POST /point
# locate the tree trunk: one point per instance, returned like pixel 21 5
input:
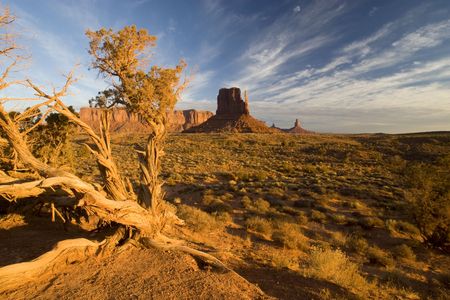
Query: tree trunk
pixel 113 182
pixel 149 160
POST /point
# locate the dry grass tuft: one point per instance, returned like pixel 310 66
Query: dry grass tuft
pixel 201 221
pixel 335 266
pixel 259 225
pixel 289 235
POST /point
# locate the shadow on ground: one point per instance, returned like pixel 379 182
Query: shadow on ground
pixel 286 284
pixel 24 239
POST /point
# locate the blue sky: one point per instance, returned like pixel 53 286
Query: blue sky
pixel 338 66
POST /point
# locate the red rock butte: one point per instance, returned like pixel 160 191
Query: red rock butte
pixel 124 122
pixel 230 103
pixel 232 115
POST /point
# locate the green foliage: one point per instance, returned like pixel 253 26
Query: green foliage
pixel 429 194
pixel 107 99
pixel 148 91
pixel 52 141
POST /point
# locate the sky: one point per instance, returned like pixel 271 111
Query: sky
pixel 338 66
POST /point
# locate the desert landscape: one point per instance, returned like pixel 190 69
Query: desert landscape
pixel 129 196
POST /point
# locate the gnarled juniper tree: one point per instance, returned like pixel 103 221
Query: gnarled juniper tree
pixel 151 92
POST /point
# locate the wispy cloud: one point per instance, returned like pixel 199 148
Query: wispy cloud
pixel 199 81
pixel 381 72
pixel 285 40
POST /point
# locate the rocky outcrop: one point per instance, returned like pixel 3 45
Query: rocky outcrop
pixel 122 121
pixel 298 129
pixel 232 115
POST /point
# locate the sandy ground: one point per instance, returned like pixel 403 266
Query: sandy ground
pixel 130 274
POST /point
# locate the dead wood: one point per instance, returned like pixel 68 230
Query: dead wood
pixel 65 252
pixel 113 183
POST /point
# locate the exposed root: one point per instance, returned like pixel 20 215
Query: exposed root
pixel 165 243
pixel 65 252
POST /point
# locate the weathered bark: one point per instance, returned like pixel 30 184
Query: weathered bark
pixel 127 213
pixel 12 191
pixel 113 183
pixel 66 251
pixel 18 143
pixel 150 164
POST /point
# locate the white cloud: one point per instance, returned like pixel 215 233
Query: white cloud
pixel 340 89
pixel 286 39
pixel 297 9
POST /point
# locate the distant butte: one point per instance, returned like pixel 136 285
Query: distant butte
pixel 297 129
pixel 124 122
pixel 232 115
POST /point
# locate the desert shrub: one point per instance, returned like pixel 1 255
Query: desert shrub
pixel 173 179
pixel 371 222
pixel 318 216
pixel 404 252
pixel 260 225
pixel 352 204
pixel 338 218
pixel 351 221
pixel 242 176
pixel 223 217
pixel 199 220
pixel 396 278
pixel 220 206
pixel 378 256
pixel 336 267
pixel 321 208
pixel 339 238
pixel 226 197
pixel 260 175
pixel 302 218
pixel 52 141
pixel 247 202
pixel 276 192
pixel 318 189
pixel 289 235
pixel 357 244
pixel 284 259
pixel 250 176
pixel 429 195
pixel 304 203
pixel 401 226
pixel 215 205
pixel 261 205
